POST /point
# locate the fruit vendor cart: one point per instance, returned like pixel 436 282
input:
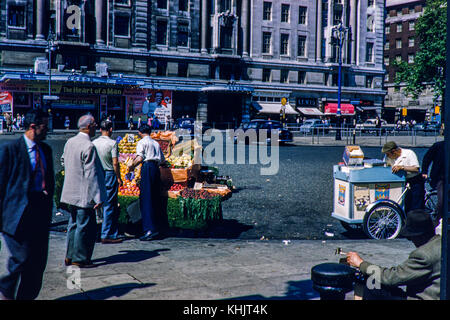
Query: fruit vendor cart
pixel 190 201
pixel 359 187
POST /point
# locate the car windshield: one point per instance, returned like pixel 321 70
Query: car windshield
pixel 253 125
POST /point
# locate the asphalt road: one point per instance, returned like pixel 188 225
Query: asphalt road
pixel 294 203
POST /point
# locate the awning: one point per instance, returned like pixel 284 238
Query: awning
pixel 310 111
pixel 273 108
pixel 73 106
pixel 347 109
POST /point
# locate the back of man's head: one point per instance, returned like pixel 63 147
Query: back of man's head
pixel 145 129
pixel 106 125
pixel 35 116
pixel 85 121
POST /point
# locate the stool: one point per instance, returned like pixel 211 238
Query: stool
pixel 332 280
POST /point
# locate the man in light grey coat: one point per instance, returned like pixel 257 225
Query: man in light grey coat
pixel 84 191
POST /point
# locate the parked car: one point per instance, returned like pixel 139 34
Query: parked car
pixel 185 127
pixel 428 126
pixel 315 125
pixel 370 125
pixel 284 135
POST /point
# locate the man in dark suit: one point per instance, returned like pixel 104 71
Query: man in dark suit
pixel 26 201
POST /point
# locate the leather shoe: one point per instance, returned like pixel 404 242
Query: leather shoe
pixel 67 261
pixel 84 265
pixel 106 241
pixel 148 236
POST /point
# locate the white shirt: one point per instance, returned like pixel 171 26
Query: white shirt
pixel 407 159
pixel 149 149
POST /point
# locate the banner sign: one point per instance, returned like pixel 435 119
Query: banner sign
pixel 6 102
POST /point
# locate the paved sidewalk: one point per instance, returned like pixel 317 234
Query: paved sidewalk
pixel 204 269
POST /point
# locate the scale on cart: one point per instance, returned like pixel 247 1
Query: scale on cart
pixel 367 194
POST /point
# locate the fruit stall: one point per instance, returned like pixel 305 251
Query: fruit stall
pixel 191 194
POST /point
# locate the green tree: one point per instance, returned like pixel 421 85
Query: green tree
pixel 429 66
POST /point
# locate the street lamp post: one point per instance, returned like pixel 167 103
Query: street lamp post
pixel 50 48
pixel 339 33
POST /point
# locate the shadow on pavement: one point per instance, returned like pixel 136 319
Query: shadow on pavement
pixel 296 290
pixel 129 256
pixel 107 292
pixel 223 229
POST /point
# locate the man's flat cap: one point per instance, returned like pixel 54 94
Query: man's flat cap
pixel 389 146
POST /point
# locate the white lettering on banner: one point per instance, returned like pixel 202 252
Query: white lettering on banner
pixel 374 281
pixel 74 20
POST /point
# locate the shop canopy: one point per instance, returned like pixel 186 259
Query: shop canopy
pixel 347 109
pixel 310 111
pixel 273 108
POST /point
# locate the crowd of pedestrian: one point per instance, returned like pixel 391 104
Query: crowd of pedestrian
pixel 13 123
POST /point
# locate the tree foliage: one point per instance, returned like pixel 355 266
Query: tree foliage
pixel 429 67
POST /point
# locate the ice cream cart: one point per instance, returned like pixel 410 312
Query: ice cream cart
pixel 369 195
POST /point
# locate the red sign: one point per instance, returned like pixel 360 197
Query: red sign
pixel 346 108
pixel 6 102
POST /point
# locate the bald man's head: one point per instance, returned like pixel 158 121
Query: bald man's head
pixel 87 125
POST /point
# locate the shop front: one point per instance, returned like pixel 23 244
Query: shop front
pixel 347 112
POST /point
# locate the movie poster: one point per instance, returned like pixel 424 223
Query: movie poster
pixel 157 104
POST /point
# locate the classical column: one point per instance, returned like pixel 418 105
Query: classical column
pixel 205 21
pixel 245 27
pixel 353 26
pixel 319 31
pixel 40 19
pixel 100 21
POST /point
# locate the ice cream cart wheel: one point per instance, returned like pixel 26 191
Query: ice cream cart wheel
pixel 383 221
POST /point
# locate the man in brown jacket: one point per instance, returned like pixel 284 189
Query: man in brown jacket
pixel 420 273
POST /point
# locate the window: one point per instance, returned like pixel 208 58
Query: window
pixel 302 11
pixel 337 17
pixel 267 11
pixel 369 52
pixel 386 77
pixel 399 12
pixel 411 42
pixel 161 68
pixel 226 37
pixel 284 76
pixel 386 61
pixel 266 75
pixel 386 45
pixel 183 5
pixel 370 3
pixel 399 27
pixel 161 32
pixel 370 23
pixel 285 13
pixel 369 81
pixel 162 4
pixel 16 16
pixel 225 5
pixel 122 25
pixel 301 77
pixel 284 44
pixel 183 34
pixel 121 2
pixel 183 69
pixel 398 58
pixel 398 43
pixel 411 10
pixel 267 38
pixel 411 58
pixel 301 46
pixel 411 25
pixel 387 29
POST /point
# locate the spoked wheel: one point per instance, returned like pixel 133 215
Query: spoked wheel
pixel 431 204
pixel 383 221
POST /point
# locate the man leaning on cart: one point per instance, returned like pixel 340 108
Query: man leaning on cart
pixel 406 160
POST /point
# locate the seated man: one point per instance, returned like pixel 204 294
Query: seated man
pixel 406 160
pixel 421 272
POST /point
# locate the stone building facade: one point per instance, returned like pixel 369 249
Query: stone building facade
pixel 221 61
